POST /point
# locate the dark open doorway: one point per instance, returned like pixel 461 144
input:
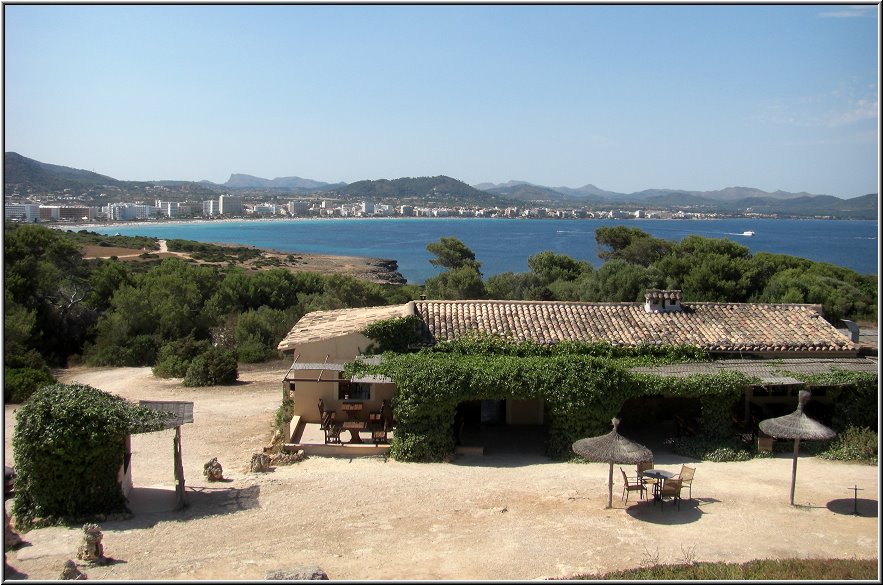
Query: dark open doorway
pixel 481 426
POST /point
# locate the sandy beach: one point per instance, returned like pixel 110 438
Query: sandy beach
pixel 503 516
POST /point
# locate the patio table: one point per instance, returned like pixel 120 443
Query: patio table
pixel 660 475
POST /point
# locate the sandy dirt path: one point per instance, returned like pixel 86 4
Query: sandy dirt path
pixel 480 517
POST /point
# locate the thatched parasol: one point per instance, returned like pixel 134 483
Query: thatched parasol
pixel 796 426
pixel 612 448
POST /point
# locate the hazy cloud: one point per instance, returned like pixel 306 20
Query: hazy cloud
pixel 850 12
pixel 836 109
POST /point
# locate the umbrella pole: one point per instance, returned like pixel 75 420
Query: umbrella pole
pixel 610 487
pixel 794 468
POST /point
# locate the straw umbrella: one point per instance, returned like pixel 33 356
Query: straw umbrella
pixel 612 448
pixel 796 426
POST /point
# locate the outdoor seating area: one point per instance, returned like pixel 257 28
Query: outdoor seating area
pixel 666 484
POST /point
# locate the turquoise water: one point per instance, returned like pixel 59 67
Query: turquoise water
pixel 503 245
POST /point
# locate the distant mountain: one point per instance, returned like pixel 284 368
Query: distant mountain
pixel 22 174
pixel 21 171
pixel 420 190
pixel 241 181
pixel 587 191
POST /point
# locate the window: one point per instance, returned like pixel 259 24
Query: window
pixel 347 390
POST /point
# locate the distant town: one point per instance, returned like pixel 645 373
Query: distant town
pixel 63 208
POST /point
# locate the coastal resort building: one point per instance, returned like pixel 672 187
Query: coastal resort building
pixel 772 348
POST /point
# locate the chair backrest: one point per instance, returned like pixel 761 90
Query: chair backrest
pixel 321 408
pixel 687 473
pixel 625 478
pixel 645 465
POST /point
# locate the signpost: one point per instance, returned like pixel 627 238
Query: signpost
pixel 183 412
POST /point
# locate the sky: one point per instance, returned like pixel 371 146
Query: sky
pixel 623 97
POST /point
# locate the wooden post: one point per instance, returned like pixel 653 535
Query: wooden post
pixel 794 468
pixel 179 469
pixel 610 487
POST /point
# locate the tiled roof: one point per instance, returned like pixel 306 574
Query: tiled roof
pixel 322 325
pixel 716 327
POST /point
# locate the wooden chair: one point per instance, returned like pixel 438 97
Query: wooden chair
pixel 686 477
pixel 644 466
pixel 627 487
pixel 332 431
pixel 672 489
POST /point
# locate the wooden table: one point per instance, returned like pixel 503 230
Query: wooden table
pixel 354 426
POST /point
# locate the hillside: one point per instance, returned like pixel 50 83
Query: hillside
pixel 439 190
pixel 20 171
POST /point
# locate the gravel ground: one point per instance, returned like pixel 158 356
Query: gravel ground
pixel 477 518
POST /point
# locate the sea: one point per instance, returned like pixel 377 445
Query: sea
pixel 504 245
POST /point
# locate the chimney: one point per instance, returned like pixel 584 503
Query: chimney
pixel 662 301
pixel 853 329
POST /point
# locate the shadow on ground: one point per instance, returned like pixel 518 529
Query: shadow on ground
pixel 851 506
pixel 667 512
pixel 152 505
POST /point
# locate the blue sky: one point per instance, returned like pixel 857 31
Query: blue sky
pixel 623 97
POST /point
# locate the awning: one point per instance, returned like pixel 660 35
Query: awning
pixel 371 379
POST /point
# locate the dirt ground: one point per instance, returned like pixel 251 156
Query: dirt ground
pixel 375 270
pixel 504 516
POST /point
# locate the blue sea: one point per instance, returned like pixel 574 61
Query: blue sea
pixel 503 245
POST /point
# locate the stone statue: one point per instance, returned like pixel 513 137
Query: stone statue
pixel 213 470
pixel 91 550
pixel 260 462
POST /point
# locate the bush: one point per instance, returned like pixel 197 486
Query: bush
pixel 68 445
pixel 710 448
pixel 212 368
pixel 20 383
pixel 175 357
pixel 854 444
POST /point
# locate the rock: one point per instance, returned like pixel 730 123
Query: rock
pixel 70 572
pixel 306 573
pixel 287 457
pixel 91 550
pixel 260 463
pixel 213 470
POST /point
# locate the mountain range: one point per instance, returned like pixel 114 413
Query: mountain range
pixel 25 174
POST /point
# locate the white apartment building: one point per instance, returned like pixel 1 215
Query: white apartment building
pixel 210 208
pixel 125 211
pixel 24 212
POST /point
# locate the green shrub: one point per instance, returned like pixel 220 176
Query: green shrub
pixel 20 383
pixel 68 445
pixel 212 368
pixel 175 357
pixel 854 444
pixel 707 448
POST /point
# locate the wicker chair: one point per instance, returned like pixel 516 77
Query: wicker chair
pixel 627 487
pixel 644 466
pixel 672 489
pixel 686 477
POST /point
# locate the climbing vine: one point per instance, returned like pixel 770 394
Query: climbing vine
pixel 583 387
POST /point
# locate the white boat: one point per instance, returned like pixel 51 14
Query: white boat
pixel 748 233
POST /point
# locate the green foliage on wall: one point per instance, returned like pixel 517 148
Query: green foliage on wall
pixel 583 387
pixel 68 444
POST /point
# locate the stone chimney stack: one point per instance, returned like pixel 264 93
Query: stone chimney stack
pixel 662 301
